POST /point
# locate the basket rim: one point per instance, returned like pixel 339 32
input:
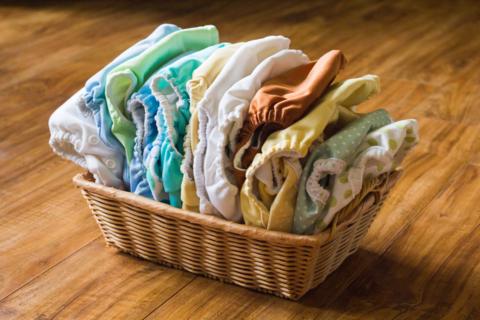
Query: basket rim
pixel 85 181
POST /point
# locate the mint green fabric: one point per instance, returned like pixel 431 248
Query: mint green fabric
pixel 130 76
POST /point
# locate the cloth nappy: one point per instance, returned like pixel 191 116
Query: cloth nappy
pixel 282 101
pixel 221 187
pixel 129 76
pixel 201 80
pixel 143 107
pixel 94 93
pixel 241 64
pixel 268 195
pixel 335 171
pixel 74 136
pixel 169 87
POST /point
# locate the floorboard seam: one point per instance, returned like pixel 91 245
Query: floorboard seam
pixel 173 295
pixel 398 235
pixel 46 270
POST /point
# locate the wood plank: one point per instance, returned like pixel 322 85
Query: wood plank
pixel 420 258
pixel 95 282
pixel 41 226
pixel 430 271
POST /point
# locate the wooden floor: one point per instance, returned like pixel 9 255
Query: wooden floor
pixel 421 258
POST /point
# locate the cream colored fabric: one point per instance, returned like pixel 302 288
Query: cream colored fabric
pixel 202 78
pixel 240 65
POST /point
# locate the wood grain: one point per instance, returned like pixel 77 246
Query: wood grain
pixel 420 258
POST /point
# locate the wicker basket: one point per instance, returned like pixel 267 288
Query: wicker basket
pixel 286 265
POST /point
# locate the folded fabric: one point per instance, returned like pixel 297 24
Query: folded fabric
pixel 129 76
pixel 143 107
pixel 74 136
pixel 94 94
pixel 238 66
pixel 329 182
pixel 276 169
pixel 169 87
pixel 282 101
pixel 202 78
pixel 221 187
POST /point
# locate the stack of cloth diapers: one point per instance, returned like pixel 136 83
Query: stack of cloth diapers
pixel 252 132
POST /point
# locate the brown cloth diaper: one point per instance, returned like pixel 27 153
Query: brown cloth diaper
pixel 280 102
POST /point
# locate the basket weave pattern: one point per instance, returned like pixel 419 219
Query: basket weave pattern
pixel 286 265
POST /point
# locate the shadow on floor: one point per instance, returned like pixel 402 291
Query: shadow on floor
pixel 367 282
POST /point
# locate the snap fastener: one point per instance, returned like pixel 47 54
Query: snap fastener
pixel 110 163
pixel 93 140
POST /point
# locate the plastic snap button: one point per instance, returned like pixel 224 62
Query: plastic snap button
pixel 110 163
pixel 93 140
